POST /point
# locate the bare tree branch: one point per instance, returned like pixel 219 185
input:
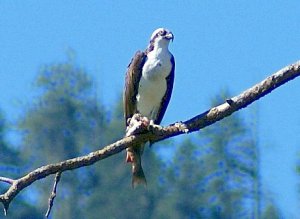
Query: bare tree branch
pixel 6 180
pixel 53 193
pixel 155 134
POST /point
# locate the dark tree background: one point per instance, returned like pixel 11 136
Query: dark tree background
pixel 214 174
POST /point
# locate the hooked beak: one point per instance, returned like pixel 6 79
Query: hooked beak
pixel 170 36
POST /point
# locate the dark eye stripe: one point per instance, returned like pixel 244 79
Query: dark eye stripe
pixel 162 32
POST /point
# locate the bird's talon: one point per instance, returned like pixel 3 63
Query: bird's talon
pixel 137 124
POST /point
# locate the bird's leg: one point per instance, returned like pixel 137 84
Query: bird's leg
pixel 137 124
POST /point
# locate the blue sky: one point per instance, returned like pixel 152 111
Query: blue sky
pixel 218 44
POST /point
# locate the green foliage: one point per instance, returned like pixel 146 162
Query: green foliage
pixel 65 116
pixel 7 154
pixel 9 167
pixel 271 212
pixel 66 121
pixel 184 190
pixel 211 176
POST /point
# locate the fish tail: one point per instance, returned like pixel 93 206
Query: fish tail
pixel 134 157
pixel 138 177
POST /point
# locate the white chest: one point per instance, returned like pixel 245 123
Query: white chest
pixel 158 65
pixel 153 84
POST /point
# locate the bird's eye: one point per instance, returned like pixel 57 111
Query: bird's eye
pixel 162 32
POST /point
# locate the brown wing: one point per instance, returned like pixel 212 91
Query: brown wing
pixel 167 96
pixel 133 76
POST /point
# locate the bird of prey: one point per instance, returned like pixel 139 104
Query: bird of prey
pixel 148 87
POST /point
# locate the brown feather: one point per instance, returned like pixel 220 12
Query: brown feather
pixel 166 99
pixel 133 76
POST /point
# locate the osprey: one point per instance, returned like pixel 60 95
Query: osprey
pixel 148 88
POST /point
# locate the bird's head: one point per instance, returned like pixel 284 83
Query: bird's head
pixel 161 37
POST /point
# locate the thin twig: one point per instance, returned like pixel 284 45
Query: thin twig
pixel 53 194
pixel 6 180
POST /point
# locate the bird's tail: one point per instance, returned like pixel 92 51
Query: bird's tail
pixel 134 157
